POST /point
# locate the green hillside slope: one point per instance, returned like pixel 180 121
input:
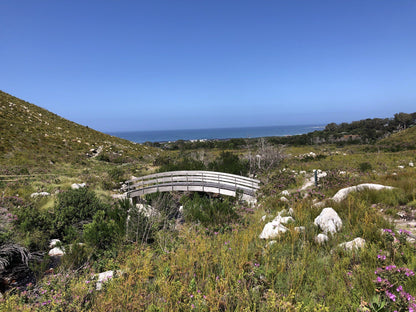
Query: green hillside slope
pixel 31 135
pixel 403 140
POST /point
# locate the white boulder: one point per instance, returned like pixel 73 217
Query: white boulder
pixel 343 193
pixel 411 164
pixel 329 221
pixel 283 220
pixel 39 194
pixel 54 242
pixel 283 199
pixel 285 193
pixel 147 210
pixel 76 186
pixel 272 230
pixel 56 252
pixel 321 238
pixel 400 167
pixel 102 278
pixel 299 229
pixel 356 243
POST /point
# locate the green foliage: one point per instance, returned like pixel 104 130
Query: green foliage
pixel 215 213
pixel 230 163
pixel 34 226
pixel 103 232
pixel 72 209
pixel 365 166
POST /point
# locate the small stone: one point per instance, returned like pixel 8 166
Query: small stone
pixel 356 243
pixel 39 194
pixel 283 199
pixel 77 186
pixel 285 193
pixel 54 242
pixel 321 238
pixel 299 229
pixel 56 252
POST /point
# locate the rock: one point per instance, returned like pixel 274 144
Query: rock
pixel 299 229
pixel 39 194
pixel 102 278
pixel 321 238
pixel 271 243
pixel 105 276
pixel 343 193
pixel 283 199
pixel 147 210
pixel 56 252
pixel 401 214
pixel 328 221
pixel 285 193
pixel 263 218
pixel 272 230
pixel 283 220
pixel 400 167
pixel 54 242
pixel 77 186
pixel 319 204
pixel 291 212
pixel 356 243
pixel 411 164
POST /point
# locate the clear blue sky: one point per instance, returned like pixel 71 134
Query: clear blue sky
pixel 150 65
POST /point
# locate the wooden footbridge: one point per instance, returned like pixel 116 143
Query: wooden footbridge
pixel 194 181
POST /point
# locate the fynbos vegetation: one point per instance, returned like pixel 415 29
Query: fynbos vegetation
pixel 68 244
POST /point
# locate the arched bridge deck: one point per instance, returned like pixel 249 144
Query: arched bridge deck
pixel 194 181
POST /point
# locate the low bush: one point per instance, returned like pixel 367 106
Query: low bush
pixel 72 210
pixel 209 212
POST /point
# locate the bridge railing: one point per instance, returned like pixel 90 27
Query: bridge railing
pixel 201 178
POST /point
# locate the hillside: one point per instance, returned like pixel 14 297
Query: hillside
pixel 403 140
pixel 32 136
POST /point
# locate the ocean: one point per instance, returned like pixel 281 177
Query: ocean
pixel 215 133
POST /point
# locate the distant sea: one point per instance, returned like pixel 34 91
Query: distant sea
pixel 215 133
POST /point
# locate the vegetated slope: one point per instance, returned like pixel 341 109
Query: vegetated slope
pixel 31 135
pixel 403 140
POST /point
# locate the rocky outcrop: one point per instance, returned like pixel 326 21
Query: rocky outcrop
pixel 343 193
pixel 328 221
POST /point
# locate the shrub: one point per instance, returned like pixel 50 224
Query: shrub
pixel 214 213
pixel 365 166
pixel 230 163
pixel 73 209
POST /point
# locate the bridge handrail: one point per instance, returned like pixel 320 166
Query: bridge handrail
pixel 193 176
pixel 194 172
